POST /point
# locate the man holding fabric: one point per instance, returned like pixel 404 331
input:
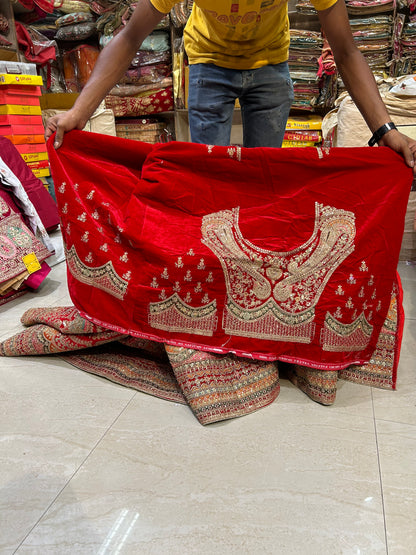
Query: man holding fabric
pixel 239 49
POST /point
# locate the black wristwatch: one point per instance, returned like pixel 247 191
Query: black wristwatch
pixel 380 132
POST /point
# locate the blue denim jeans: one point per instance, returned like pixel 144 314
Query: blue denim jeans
pixel 265 94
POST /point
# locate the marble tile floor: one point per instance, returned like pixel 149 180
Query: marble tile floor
pixel 90 467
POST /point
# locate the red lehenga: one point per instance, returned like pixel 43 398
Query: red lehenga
pixel 234 259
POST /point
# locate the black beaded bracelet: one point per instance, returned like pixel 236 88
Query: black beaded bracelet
pixel 380 132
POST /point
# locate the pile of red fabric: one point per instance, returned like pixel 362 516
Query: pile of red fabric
pixel 195 270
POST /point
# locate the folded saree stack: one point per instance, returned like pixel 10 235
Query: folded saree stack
pixel 373 37
pixel 304 50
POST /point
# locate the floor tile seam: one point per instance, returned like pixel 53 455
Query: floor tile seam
pixel 380 475
pixel 412 424
pixel 76 471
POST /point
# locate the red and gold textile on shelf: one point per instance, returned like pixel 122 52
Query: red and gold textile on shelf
pixel 274 254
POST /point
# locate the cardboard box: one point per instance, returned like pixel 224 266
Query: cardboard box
pixel 41 164
pixel 43 172
pixel 31 148
pixel 17 109
pixel 27 90
pixel 25 139
pixel 30 157
pixel 22 130
pixel 58 101
pixel 18 98
pixel 10 119
pixel 304 122
pixel 20 79
pixel 19 68
pixel 297 144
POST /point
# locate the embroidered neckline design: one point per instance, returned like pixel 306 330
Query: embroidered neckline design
pixel 273 295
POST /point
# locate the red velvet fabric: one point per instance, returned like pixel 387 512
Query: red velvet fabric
pixel 275 254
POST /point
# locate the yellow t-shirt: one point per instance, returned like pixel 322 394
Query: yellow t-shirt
pixel 237 34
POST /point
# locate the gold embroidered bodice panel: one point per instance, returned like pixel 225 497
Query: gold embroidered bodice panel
pixel 288 284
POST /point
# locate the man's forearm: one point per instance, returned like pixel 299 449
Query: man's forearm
pixel 361 85
pixel 115 59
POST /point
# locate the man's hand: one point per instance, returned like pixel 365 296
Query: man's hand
pixel 402 144
pixel 110 66
pixel 62 123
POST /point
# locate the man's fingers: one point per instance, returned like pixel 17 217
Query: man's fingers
pixel 59 136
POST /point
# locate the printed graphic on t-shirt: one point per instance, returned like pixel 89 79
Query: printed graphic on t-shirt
pixel 246 19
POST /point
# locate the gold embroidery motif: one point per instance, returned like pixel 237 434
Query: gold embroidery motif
pixel 103 277
pixel 273 294
pixel 234 152
pixel 336 336
pixel 349 303
pixel 268 322
pixel 173 314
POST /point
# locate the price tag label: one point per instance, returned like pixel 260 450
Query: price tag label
pixel 31 262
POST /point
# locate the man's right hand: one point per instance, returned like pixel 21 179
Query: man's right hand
pixel 111 65
pixel 61 124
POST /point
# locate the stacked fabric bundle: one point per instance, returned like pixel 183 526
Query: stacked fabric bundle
pixel 408 44
pixel 364 8
pixel 146 130
pixel 4 31
pixel 304 52
pixel 305 7
pixel 24 243
pixel 373 37
pixel 146 88
pixel 52 36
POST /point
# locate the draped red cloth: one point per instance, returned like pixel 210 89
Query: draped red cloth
pixel 274 254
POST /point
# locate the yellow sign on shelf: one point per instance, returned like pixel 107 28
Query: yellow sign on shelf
pixel 20 79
